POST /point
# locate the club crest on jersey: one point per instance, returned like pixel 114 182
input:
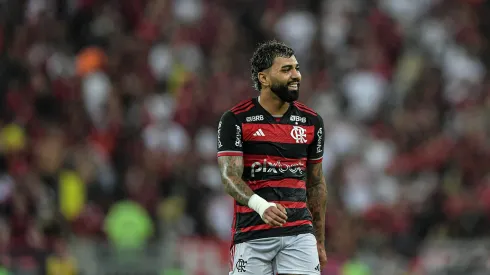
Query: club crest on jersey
pixel 298 133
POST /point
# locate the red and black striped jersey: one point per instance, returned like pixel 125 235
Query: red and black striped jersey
pixel 276 151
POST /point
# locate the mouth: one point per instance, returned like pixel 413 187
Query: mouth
pixel 293 85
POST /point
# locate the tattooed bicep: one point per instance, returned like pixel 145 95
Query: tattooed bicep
pixel 231 165
pixel 231 175
pixel 314 174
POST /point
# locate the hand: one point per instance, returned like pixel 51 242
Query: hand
pixel 275 215
pixel 322 255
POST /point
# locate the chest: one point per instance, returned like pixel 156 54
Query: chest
pixel 289 133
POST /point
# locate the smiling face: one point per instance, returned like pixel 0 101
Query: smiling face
pixel 284 78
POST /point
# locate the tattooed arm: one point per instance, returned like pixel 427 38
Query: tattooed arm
pixel 231 175
pixel 316 192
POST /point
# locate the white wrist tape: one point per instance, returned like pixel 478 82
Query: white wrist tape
pixel 258 204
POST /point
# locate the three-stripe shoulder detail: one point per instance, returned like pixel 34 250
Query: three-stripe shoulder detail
pixel 302 107
pixel 242 106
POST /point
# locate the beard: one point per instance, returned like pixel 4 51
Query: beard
pixel 282 91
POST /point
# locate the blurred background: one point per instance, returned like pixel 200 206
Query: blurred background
pixel 108 120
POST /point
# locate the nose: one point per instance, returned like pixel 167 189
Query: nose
pixel 295 75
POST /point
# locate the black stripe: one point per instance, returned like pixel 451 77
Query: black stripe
pixel 281 194
pixel 273 232
pixel 269 174
pixel 252 218
pixel 292 151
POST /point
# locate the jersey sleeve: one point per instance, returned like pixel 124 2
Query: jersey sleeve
pixel 315 149
pixel 229 136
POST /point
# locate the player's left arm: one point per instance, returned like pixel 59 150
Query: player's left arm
pixel 316 186
pixel 316 192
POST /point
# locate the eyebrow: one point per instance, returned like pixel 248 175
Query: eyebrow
pixel 289 66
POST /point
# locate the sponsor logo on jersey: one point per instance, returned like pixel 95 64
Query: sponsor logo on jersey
pixel 319 135
pixel 298 119
pixel 254 118
pixel 298 133
pixel 238 141
pixel 219 135
pixel 259 133
pixel 277 167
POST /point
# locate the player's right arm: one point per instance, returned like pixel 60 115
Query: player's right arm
pixel 231 175
pixel 230 161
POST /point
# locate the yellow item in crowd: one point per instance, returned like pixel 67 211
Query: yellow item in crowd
pixel 13 138
pixel 177 78
pixel 171 209
pixel 60 266
pixel 71 194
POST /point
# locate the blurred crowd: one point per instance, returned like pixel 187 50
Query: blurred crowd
pixel 105 101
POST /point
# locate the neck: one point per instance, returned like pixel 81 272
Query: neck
pixel 272 104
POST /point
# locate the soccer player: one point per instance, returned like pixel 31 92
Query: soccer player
pixel 270 152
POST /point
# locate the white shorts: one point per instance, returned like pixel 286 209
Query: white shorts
pixel 296 254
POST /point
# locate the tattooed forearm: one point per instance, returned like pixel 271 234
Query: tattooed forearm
pixel 231 176
pixel 316 192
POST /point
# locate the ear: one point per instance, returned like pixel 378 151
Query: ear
pixel 264 79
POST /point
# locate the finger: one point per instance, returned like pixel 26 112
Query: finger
pixel 276 223
pixel 282 208
pixel 273 222
pixel 273 211
pixel 279 213
pixel 280 221
pixel 273 217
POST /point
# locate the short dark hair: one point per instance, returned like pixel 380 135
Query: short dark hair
pixel 264 56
